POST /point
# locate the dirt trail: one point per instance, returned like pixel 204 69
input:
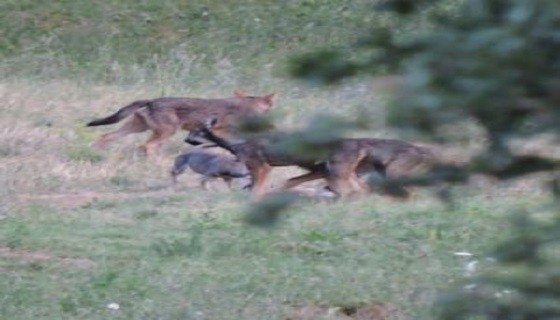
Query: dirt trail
pixel 35 256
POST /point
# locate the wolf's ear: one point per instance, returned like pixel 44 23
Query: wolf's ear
pixel 210 122
pixel 239 93
pixel 269 98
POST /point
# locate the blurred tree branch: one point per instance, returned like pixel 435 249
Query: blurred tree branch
pixel 496 62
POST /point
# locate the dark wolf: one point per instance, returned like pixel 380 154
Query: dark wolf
pixel 165 116
pixel 348 159
pixel 211 162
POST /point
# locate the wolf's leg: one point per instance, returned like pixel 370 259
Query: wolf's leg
pixel 339 185
pixel 343 179
pixel 155 140
pixel 358 186
pixel 310 176
pixel 258 176
pixel 248 185
pixel 134 125
pixel 406 165
pixel 204 182
pixel 174 178
pixel 228 180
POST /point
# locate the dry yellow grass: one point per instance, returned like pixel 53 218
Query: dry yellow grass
pixel 44 145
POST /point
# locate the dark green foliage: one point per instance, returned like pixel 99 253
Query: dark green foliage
pixel 402 6
pixel 323 67
pixel 255 124
pixel 479 63
pixel 525 286
pixel 266 213
pixel 318 139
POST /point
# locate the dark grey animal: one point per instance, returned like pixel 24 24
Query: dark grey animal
pixel 211 162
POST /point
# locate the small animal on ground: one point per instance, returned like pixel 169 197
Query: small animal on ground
pixel 210 161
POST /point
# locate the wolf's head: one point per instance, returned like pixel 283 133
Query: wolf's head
pixel 202 134
pixel 259 104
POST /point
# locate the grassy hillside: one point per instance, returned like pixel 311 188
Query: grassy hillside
pixel 84 230
pixel 98 36
pixel 103 40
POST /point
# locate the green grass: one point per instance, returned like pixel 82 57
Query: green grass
pixel 179 255
pixel 115 41
pixel 100 38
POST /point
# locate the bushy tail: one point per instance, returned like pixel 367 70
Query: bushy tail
pixel 119 115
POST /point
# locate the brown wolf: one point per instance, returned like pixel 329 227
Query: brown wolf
pixel 164 116
pixel 348 159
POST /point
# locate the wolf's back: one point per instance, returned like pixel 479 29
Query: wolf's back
pixel 119 115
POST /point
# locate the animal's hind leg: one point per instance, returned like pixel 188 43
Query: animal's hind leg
pixel 406 165
pixel 341 182
pixel 227 180
pixel 310 176
pixel 135 125
pixel 358 186
pixel 155 141
pixel 204 182
pixel 342 178
pixel 258 176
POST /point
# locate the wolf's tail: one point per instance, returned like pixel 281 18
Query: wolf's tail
pixel 119 115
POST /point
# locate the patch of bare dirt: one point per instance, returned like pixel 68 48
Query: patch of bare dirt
pixel 77 199
pixel 45 256
pixel 373 311
pixel 70 200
